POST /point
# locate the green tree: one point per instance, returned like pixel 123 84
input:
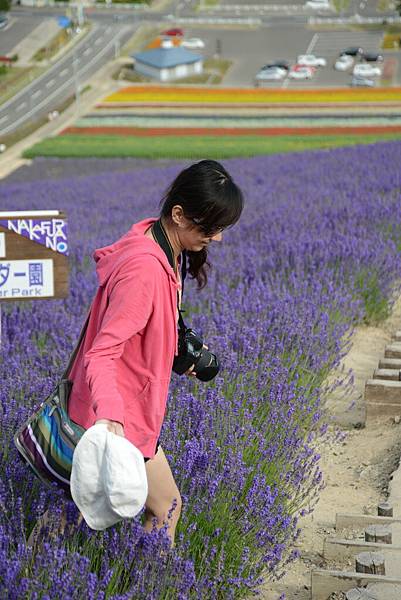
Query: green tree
pixel 341 5
pixel 398 7
pixel 5 6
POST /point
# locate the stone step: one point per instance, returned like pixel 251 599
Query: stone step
pixel 381 391
pixel 389 374
pixel 390 363
pixel 397 336
pixel 393 350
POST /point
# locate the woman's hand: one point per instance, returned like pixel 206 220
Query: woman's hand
pixel 191 372
pixel 113 426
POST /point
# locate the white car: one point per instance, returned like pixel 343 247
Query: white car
pixel 366 70
pixel 271 74
pixel 362 82
pixel 310 60
pixel 344 62
pixel 318 4
pixel 301 72
pixel 193 43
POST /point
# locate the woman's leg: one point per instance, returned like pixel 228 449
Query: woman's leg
pixel 54 528
pixel 162 494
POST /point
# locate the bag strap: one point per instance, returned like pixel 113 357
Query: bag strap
pixel 181 323
pixel 161 237
pixel 75 351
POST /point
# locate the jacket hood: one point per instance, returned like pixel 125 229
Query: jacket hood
pixel 131 245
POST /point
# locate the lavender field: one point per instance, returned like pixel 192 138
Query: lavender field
pixel 316 252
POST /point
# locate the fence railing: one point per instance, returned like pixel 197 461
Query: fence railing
pixel 359 19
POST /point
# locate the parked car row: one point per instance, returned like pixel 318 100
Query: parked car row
pixel 307 64
pixel 363 70
pixel 304 68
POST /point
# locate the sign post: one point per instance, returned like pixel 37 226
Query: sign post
pixel 33 255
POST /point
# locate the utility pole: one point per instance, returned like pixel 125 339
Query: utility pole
pixel 80 14
pixel 117 48
pixel 76 80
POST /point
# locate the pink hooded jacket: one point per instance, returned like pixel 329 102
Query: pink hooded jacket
pixel 123 368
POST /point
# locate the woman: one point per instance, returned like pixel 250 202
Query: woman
pixel 122 371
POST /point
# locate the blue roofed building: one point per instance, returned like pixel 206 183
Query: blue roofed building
pixel 168 62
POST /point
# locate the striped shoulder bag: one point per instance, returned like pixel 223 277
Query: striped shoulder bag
pixel 47 440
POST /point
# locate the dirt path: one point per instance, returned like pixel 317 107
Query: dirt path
pixel 356 470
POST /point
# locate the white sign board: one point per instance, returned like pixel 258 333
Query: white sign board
pixel 2 245
pixel 26 278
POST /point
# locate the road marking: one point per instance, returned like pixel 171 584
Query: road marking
pixel 63 72
pixel 5 118
pixel 36 94
pixel 50 83
pixel 21 106
pixel 312 43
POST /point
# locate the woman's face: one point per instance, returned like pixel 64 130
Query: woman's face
pixel 194 239
pixel 190 235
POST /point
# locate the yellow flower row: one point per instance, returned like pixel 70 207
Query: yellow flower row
pixel 159 94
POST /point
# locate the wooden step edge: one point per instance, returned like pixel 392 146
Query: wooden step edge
pixel 396 345
pixel 387 374
pixel 390 363
pixel 342 549
pixel 383 383
pixel 353 521
pixel 392 353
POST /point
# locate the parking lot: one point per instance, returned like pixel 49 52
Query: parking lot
pixel 250 49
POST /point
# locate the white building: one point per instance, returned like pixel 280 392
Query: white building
pixel 168 62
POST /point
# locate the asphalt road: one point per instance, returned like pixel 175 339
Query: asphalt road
pixel 62 80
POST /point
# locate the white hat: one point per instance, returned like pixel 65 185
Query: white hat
pixel 108 478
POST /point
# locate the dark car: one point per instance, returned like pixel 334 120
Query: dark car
pixel 352 51
pixel 373 57
pixel 281 64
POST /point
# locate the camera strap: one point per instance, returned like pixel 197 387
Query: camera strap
pixel 160 235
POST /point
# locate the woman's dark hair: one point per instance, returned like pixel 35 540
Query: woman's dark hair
pixel 210 198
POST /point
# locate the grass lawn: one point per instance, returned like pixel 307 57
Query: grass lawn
pixel 112 146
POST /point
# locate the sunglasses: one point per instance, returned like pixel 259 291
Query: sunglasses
pixel 213 231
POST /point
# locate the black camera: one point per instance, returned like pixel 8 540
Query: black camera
pixel 192 352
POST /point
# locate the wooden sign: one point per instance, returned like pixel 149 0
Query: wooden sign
pixel 33 255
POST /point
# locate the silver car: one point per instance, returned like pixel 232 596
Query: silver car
pixel 271 74
pixel 362 82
